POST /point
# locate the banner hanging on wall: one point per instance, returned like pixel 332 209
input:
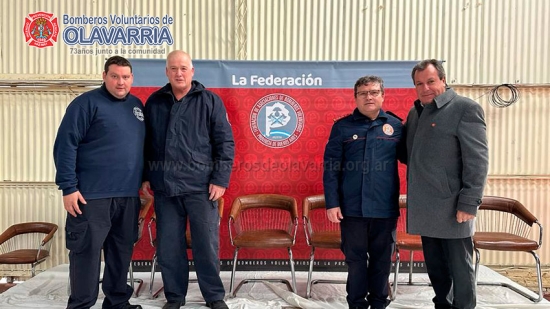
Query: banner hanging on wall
pixel 281 114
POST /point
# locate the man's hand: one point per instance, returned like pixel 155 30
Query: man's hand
pixel 70 202
pixel 215 192
pixel 145 187
pixel 462 216
pixel 334 215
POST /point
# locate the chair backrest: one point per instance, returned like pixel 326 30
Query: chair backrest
pixel 264 212
pixel 317 225
pixel 46 228
pixel 505 215
pixel 313 202
pixel 508 205
pixel 402 201
pixel 275 202
pixel 402 220
pixel 146 203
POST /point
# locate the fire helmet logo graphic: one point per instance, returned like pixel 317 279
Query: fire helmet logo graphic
pixel 277 120
pixel 40 29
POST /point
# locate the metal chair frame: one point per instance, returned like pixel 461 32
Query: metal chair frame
pixel 508 229
pixel 329 238
pixel 240 237
pixel 13 252
pixel 406 242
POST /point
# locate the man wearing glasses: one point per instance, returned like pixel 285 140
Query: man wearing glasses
pixel 361 184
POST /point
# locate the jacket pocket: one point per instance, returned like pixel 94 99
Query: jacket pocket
pixel 201 158
pixel 76 234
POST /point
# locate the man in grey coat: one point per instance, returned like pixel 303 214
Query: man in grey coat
pixel 447 170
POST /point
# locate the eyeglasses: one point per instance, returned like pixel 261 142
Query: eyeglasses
pixel 364 94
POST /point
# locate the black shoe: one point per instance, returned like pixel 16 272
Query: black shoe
pixel 218 304
pixel 173 305
pixel 128 306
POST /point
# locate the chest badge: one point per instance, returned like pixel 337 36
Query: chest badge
pixel 138 113
pixel 354 136
pixel 387 129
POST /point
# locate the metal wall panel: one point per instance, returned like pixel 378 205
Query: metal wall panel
pixel 519 134
pixel 29 119
pixel 482 42
pixel 26 202
pixel 204 28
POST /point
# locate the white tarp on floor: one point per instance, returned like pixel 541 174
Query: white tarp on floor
pixel 49 290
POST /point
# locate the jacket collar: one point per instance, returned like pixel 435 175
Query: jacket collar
pixel 106 92
pixel 358 116
pixel 441 100
pixel 444 98
pixel 195 86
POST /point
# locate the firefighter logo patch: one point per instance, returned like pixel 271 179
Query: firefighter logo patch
pixel 387 129
pixel 41 29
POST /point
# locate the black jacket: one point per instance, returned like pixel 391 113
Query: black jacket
pixel 189 143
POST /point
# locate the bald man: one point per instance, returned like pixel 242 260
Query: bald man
pixel 189 151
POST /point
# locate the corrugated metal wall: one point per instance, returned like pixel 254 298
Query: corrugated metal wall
pixel 29 121
pixel 23 202
pixel 518 135
pixel 483 42
pixel 204 28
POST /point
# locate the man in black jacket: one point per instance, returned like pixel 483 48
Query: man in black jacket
pixel 189 151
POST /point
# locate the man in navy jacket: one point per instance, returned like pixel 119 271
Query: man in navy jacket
pixel 361 184
pixel 98 154
pixel 189 153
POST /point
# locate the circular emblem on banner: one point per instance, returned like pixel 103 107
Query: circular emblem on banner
pixel 41 29
pixel 277 120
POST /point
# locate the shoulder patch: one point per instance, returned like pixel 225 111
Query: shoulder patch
pixel 341 117
pixel 394 115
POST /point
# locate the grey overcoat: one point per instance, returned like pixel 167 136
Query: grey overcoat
pixel 447 165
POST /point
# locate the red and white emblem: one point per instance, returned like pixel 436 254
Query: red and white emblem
pixel 40 29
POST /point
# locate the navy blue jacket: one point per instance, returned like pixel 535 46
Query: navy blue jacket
pixel 99 146
pixel 360 162
pixel 189 144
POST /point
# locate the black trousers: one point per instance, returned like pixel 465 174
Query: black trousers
pixel 451 272
pixel 110 224
pixel 204 220
pixel 367 244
